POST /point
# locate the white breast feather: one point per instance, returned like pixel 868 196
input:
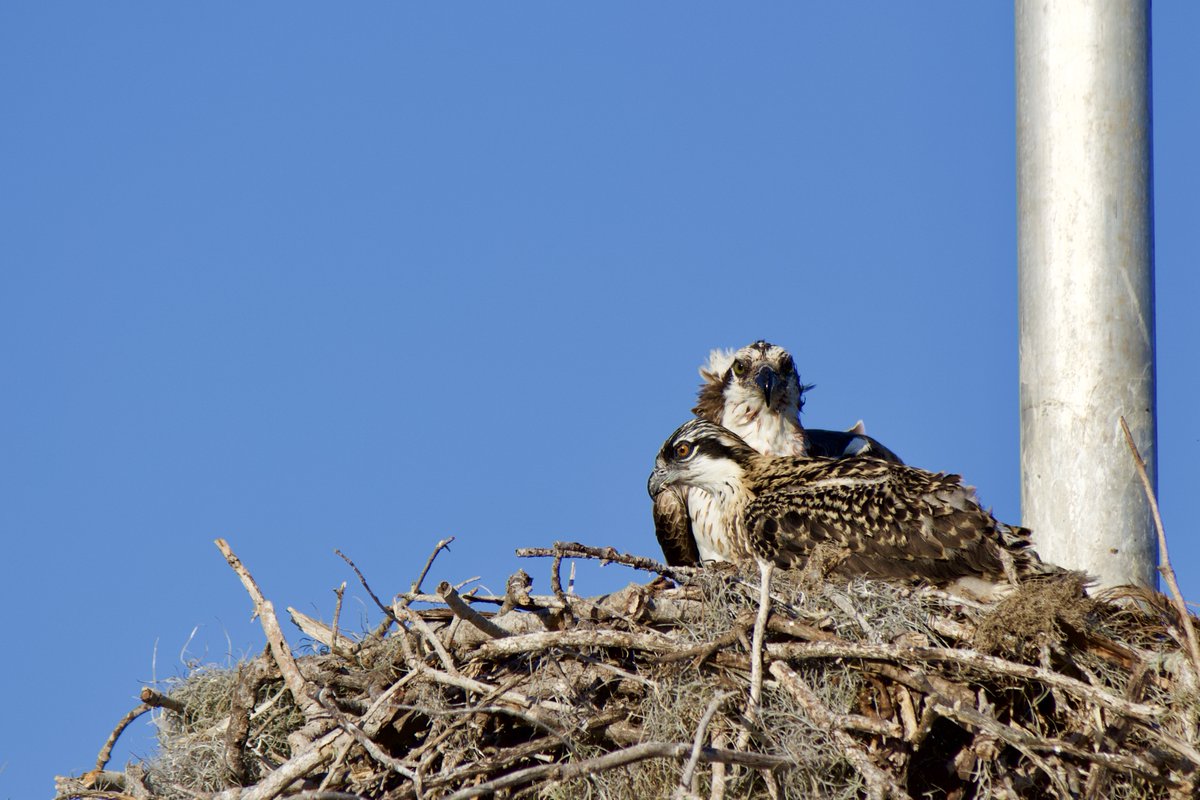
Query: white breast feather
pixel 708 527
pixel 714 510
pixel 769 434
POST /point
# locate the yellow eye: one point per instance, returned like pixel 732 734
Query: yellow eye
pixel 683 449
pixel 738 368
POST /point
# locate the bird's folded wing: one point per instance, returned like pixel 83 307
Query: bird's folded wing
pixel 841 444
pixel 673 527
pixel 910 524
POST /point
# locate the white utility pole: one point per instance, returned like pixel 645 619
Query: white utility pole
pixel 1085 231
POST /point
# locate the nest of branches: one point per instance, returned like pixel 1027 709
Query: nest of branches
pixel 871 690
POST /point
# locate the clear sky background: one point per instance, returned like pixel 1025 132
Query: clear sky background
pixel 364 276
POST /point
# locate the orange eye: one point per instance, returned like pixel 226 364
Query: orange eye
pixel 683 449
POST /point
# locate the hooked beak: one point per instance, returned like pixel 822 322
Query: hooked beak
pixel 658 479
pixel 767 379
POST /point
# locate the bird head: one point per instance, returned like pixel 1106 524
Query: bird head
pixel 701 454
pixel 760 377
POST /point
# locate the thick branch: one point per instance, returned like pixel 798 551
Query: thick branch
pixel 465 612
pixel 280 651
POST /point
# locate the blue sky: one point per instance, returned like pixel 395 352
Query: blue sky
pixel 306 277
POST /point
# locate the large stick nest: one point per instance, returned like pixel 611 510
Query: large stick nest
pixel 872 690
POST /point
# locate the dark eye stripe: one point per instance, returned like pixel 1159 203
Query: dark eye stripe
pixel 715 448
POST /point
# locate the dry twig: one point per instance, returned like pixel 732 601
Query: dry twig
pixel 628 755
pixel 689 769
pixel 1164 558
pixel 106 750
pixel 880 784
pixel 280 651
pixel 444 544
pixel 606 555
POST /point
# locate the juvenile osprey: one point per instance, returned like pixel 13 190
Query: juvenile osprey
pixel 890 520
pixel 756 393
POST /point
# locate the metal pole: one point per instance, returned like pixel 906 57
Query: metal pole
pixel 1085 230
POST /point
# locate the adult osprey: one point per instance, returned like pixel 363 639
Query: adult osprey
pixel 887 520
pixel 756 393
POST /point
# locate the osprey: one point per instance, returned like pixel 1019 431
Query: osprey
pixel 756 393
pixel 887 520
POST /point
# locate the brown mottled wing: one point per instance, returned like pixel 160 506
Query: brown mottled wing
pixel 673 527
pixel 891 521
pixel 842 444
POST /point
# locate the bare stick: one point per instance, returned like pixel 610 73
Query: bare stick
pixel 380 711
pixel 880 784
pixel 531 719
pixel 464 611
pixel 516 591
pixel 375 750
pixel 552 707
pixel 106 751
pixel 385 609
pixel 160 700
pixel 320 632
pixel 536 642
pixel 605 555
pixel 523 750
pixel 556 581
pixel 418 623
pixel 617 758
pixel 97 794
pixel 702 651
pixel 280 651
pixel 1164 567
pixel 765 568
pixel 250 677
pixel 310 757
pixel 442 545
pixel 718 770
pixel 337 613
pixel 689 769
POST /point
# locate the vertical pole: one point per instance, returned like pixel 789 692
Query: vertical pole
pixel 1085 230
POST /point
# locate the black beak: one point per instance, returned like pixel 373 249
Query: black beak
pixel 767 379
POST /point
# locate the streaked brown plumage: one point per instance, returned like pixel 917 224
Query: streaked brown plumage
pixel 755 392
pixel 888 520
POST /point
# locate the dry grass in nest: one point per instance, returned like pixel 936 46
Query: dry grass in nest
pixel 873 690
